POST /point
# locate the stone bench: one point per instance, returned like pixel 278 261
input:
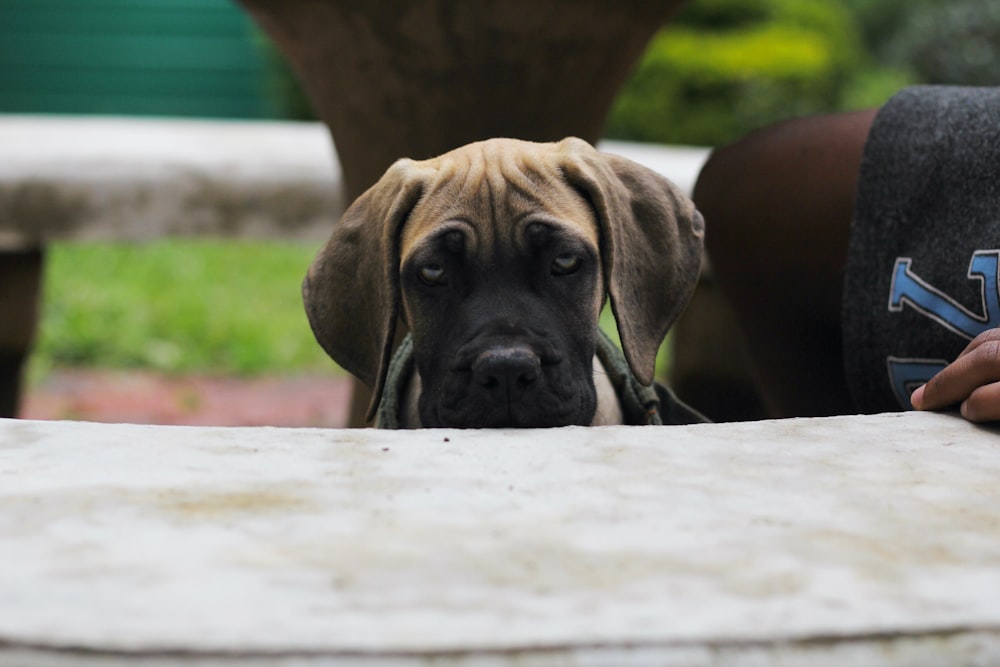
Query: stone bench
pixel 850 540
pixel 129 179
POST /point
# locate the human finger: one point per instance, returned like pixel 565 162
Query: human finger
pixel 983 404
pixel 977 366
pixel 990 335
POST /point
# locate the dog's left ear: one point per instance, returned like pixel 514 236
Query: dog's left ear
pixel 651 246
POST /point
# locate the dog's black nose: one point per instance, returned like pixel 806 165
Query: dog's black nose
pixel 507 369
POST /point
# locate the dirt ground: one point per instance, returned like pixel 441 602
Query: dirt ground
pixel 139 397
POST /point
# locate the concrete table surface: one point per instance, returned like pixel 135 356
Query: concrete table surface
pixel 849 540
pixel 107 178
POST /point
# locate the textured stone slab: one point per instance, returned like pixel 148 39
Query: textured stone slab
pixel 855 540
pixel 95 178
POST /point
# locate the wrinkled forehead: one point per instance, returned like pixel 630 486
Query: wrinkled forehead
pixel 494 190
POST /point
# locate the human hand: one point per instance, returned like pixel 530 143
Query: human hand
pixel 973 380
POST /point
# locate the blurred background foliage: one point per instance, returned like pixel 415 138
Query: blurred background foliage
pixel 946 42
pixel 725 67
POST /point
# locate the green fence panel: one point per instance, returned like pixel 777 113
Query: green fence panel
pixel 148 57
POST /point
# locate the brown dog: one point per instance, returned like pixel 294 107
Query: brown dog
pixel 498 258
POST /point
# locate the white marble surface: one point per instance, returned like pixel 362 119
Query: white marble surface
pixel 108 178
pixel 856 540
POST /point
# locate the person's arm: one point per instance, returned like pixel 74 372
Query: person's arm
pixel 972 380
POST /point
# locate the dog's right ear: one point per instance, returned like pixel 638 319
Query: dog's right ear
pixel 351 291
pixel 651 246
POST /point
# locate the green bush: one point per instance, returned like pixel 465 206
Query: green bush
pixel 956 43
pixel 931 41
pixel 728 66
pixel 712 15
pixel 878 21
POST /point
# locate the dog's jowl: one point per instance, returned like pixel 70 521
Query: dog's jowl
pixel 496 259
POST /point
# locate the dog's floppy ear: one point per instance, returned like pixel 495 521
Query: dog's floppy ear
pixel 351 292
pixel 651 246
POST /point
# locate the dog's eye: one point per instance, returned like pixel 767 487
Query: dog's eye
pixel 432 274
pixel 566 264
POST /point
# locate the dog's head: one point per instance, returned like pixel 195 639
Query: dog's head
pixel 498 257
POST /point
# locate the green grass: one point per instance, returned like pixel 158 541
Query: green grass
pixel 179 306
